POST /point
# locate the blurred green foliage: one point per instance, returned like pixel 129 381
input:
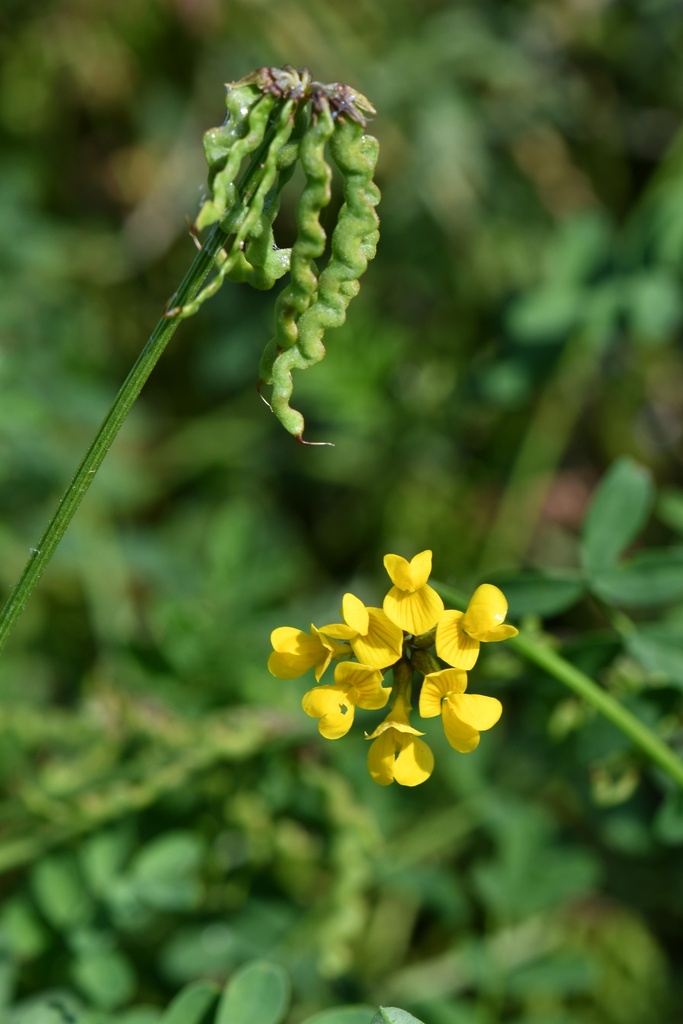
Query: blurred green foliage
pixel 167 812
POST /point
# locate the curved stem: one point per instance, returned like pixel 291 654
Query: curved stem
pixel 121 406
pixel 93 458
pixel 535 648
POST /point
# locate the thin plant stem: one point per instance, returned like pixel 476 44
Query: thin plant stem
pixel 121 406
pixel 535 648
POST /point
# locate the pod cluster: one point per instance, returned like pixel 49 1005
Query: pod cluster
pixel 276 118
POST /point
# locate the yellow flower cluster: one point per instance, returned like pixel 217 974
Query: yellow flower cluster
pixel 399 635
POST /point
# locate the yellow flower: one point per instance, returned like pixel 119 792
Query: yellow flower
pixel 355 686
pixel 375 640
pixel 464 715
pixel 294 652
pixel 411 603
pixel 459 634
pixel 397 754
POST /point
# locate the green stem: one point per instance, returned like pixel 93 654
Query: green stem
pixel 113 421
pixel 535 648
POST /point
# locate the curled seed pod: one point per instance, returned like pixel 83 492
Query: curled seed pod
pixel 227 146
pixel 248 220
pixel 262 262
pixel 218 142
pixel 309 244
pixel 354 241
pixel 310 239
pixel 269 120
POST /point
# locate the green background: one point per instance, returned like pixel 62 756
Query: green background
pixel 168 812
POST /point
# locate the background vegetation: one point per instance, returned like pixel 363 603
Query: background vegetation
pixel 168 813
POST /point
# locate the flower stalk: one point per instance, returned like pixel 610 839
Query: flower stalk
pixel 535 648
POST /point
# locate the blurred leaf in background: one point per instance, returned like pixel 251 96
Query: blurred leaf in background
pixel 167 812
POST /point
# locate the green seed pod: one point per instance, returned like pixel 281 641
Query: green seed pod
pixel 269 121
pixel 262 263
pixel 227 146
pixel 246 219
pixel 353 243
pixel 311 238
pixel 309 244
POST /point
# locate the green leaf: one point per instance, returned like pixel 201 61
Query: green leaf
pixel 201 950
pixel 540 593
pixel 54 1007
pixel 392 1015
pixel 619 510
pixel 59 892
pixel 568 973
pixel 103 857
pixel 668 823
pixel 580 247
pixel 343 1015
pixel 192 1005
pixel 670 508
pixel 659 649
pixel 8 979
pixel 165 871
pixel 650 577
pixel 140 1015
pixel 257 993
pixel 653 304
pixel 546 315
pixel 106 978
pixel 21 931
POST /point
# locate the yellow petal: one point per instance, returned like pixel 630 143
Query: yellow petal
pixel 414 763
pixel 405 759
pixel 503 632
pixel 329 649
pixel 435 687
pixel 365 685
pixel 288 640
pixel 454 645
pixel 331 705
pixel 462 737
pixel 409 575
pixel 383 644
pixel 486 610
pixel 381 757
pixel 475 710
pixel 416 612
pixel 331 644
pixel 322 664
pixel 355 614
pixel 338 631
pixel 287 666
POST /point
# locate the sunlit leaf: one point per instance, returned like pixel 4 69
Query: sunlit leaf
pixel 392 1015
pixel 192 1005
pixel 257 993
pixel 618 512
